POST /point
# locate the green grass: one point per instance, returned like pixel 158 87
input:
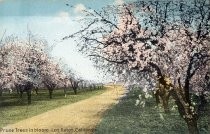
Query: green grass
pixel 126 118
pixel 13 109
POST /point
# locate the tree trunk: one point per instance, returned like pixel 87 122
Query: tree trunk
pixel 21 94
pixel 157 99
pixel 166 101
pixel 36 90
pixel 165 104
pixel 163 93
pixel 29 96
pixel 75 90
pixel 185 111
pixel 1 92
pixel 192 126
pixel 64 92
pixel 18 91
pixel 50 93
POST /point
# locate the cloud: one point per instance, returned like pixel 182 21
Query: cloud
pixel 62 16
pixel 119 2
pixel 79 8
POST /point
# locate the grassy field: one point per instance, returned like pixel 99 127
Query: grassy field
pixel 126 118
pixel 13 109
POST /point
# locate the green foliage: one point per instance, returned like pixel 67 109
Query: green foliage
pixel 13 109
pixel 127 118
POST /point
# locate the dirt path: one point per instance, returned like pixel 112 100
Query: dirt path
pixel 80 117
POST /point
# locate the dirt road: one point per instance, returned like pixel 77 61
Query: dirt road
pixel 80 117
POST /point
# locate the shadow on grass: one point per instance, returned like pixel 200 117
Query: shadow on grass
pixel 126 118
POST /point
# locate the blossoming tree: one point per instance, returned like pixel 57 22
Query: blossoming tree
pixel 25 64
pixel 169 45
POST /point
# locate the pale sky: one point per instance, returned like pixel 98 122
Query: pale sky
pixel 52 20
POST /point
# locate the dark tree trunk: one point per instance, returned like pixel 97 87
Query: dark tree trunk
pixel 36 90
pixel 163 92
pixel 18 91
pixel 64 91
pixel 181 97
pixel 186 92
pixel 166 98
pixel 29 96
pixel 1 92
pixel 75 90
pixel 21 93
pixel 192 126
pixel 157 99
pixel 165 103
pixel 74 85
pixel 185 111
pixel 50 93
